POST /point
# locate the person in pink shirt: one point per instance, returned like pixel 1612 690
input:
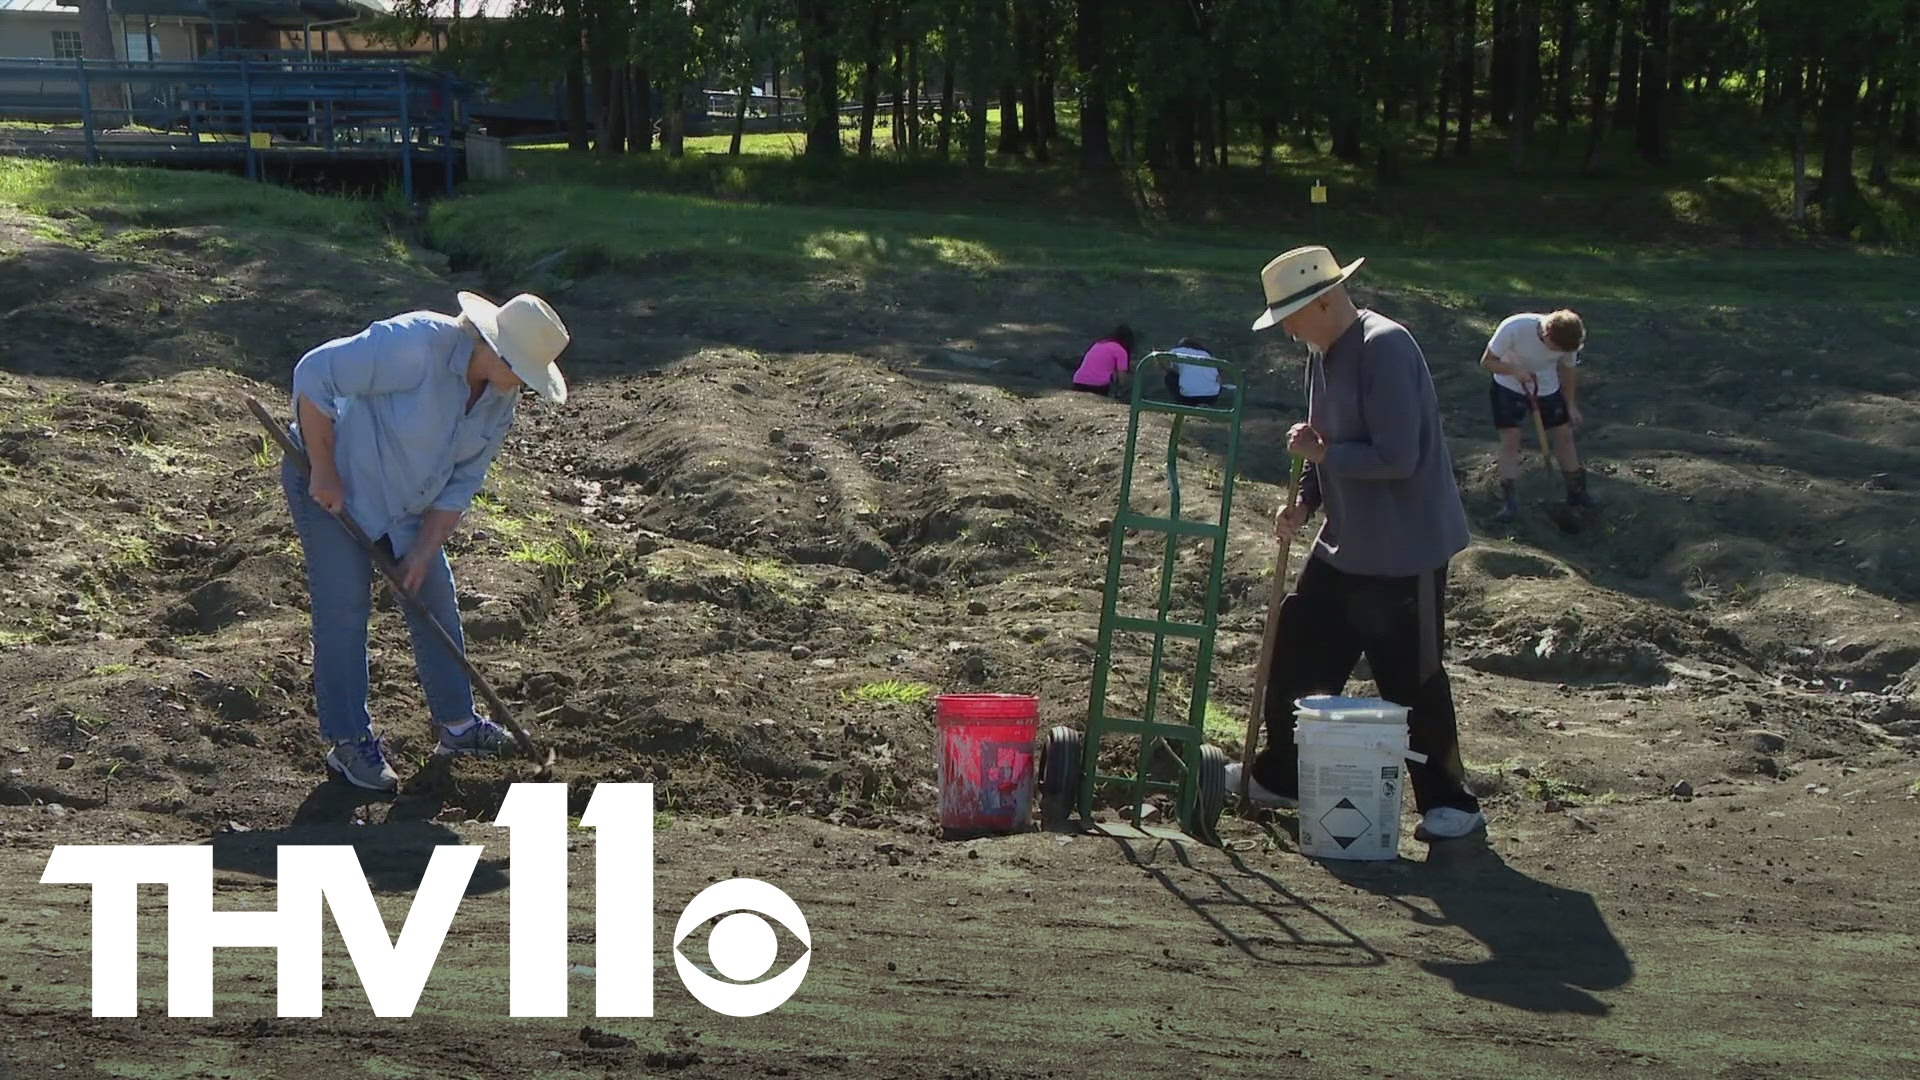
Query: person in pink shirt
pixel 1106 362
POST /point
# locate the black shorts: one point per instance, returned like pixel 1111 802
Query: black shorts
pixel 1510 409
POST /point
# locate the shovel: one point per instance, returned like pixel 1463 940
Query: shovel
pixel 1563 516
pixel 391 572
pixel 1264 670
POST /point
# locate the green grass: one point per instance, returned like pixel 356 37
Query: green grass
pixel 512 224
pixel 892 691
pixel 175 198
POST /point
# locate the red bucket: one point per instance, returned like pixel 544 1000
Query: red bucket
pixel 986 761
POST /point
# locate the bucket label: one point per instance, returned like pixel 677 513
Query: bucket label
pixel 1345 824
pixel 1388 772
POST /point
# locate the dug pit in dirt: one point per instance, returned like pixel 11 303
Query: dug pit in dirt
pixel 398 425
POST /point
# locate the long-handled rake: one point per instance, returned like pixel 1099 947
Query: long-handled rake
pixel 391 571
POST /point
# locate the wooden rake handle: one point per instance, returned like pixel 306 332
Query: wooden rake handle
pixel 391 571
pixel 1264 669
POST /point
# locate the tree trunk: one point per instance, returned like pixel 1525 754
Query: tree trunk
pixel 1096 146
pixel 1599 70
pixel 1524 26
pixel 1449 48
pixel 1650 135
pixel 1563 69
pixel 740 116
pixel 870 83
pixel 641 137
pixel 1909 128
pixel 600 104
pixel 897 116
pixel 1386 166
pixel 1880 173
pixel 1224 140
pixel 1463 79
pixel 913 96
pixel 1269 135
pixel 821 65
pixel 1838 192
pixel 1009 119
pixel 1500 85
pixel 946 106
pixel 617 108
pixel 675 132
pixel 1801 195
pixel 1626 99
pixel 578 136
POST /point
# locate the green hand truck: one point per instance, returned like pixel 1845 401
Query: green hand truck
pixel 1070 759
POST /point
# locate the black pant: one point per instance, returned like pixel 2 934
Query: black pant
pixel 1326 623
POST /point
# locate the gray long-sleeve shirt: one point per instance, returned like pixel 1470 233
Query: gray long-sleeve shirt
pixel 1386 487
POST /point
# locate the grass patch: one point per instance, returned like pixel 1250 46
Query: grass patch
pixel 510 225
pixel 87 195
pixel 891 691
pixel 103 670
pixel 130 552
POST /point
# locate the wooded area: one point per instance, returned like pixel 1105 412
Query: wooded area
pixel 1187 84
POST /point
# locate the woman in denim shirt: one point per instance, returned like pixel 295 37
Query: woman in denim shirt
pixel 399 424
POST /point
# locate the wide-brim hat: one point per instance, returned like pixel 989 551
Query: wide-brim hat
pixel 1293 280
pixel 527 334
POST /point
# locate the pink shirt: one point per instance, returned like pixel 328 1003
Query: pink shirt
pixel 1100 363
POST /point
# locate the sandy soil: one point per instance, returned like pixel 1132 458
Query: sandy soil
pixel 748 514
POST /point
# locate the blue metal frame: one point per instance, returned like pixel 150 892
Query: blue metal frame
pixel 307 106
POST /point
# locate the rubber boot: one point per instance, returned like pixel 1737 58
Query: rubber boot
pixel 1577 489
pixel 1509 502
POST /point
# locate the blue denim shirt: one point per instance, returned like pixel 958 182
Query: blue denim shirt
pixel 403 439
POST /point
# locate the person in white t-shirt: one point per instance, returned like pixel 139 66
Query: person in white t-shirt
pixel 1193 384
pixel 1537 352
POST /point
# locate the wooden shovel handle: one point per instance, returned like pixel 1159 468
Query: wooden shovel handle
pixel 1264 668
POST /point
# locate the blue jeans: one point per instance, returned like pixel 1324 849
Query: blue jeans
pixel 340 583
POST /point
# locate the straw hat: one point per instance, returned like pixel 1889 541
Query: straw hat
pixel 527 334
pixel 1294 279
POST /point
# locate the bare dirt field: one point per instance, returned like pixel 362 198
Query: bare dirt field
pixel 1694 724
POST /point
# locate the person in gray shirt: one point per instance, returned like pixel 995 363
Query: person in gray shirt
pixel 1374 583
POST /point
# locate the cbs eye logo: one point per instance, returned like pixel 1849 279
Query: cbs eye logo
pixel 742 947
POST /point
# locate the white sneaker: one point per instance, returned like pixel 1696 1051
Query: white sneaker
pixel 1260 795
pixel 1448 823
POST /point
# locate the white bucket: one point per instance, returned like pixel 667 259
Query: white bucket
pixel 1351 776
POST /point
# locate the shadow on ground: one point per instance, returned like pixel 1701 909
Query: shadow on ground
pixel 393 853
pixel 1551 948
pixel 1256 914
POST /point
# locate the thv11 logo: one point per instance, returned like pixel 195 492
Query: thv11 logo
pixel 742 946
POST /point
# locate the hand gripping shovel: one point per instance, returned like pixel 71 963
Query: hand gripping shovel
pixel 1261 673
pixel 387 567
pixel 1564 516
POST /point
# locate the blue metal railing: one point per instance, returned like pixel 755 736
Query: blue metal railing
pixel 296 104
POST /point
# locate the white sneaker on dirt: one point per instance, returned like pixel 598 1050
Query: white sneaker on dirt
pixel 1448 823
pixel 1255 791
